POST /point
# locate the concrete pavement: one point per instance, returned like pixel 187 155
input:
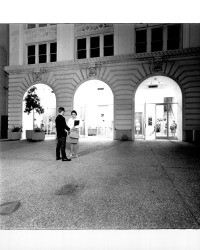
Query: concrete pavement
pixel 111 185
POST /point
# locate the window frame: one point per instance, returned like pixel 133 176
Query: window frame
pixel 164 36
pixel 139 43
pixel 37 55
pixel 110 46
pixel 37 25
pixel 156 41
pixel 88 45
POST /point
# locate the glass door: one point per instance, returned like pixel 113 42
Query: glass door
pixel 166 121
pixel 161 122
pixel 150 113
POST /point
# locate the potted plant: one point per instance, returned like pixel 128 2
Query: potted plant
pixel 15 133
pixel 32 104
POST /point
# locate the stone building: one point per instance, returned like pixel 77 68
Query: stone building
pixel 153 71
pixel 4 38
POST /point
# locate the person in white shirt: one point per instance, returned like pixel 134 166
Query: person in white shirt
pixel 74 125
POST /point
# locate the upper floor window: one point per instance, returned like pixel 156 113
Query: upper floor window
pixel 141 41
pixel 157 39
pixel 31 26
pixel 42 53
pixel 108 45
pixel 173 36
pixel 31 54
pixel 81 48
pixel 95 46
pixel 53 52
pixel 42 24
pixel 36 25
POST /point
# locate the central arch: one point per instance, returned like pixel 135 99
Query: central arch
pixel 158 109
pixel 94 102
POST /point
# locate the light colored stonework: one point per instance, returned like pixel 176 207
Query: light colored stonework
pixel 41 34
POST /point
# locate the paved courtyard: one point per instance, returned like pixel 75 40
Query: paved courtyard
pixel 111 185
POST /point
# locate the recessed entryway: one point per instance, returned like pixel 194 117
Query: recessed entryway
pixel 158 109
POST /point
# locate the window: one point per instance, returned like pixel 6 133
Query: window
pixel 108 45
pixel 173 37
pixel 141 41
pixel 157 39
pixel 31 54
pixel 42 53
pixel 42 24
pixel 36 25
pixel 81 48
pixel 31 26
pixel 94 46
pixel 53 52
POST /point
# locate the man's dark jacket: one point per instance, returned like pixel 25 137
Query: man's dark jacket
pixel 61 126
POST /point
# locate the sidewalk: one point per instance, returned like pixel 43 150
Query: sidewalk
pixel 111 185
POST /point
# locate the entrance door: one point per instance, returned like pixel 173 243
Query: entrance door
pixel 149 123
pixel 166 121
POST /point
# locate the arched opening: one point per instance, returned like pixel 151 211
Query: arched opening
pixel 45 121
pixel 158 109
pixel 93 101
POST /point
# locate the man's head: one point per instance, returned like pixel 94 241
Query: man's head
pixel 61 110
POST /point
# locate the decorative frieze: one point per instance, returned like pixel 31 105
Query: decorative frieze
pixel 87 29
pixel 154 58
pixel 41 34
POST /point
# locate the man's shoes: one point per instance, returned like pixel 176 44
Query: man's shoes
pixel 66 159
pixel 58 158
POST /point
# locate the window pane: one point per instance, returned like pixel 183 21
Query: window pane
pixel 31 25
pixel 95 52
pixel 53 58
pixel 108 40
pixel 141 41
pixel 94 42
pixel 157 39
pixel 53 47
pixel 173 37
pixel 42 59
pixel 141 47
pixel 42 24
pixel 173 31
pixel 141 36
pixel 31 50
pixel 81 44
pixel 156 46
pixel 157 34
pixel 42 49
pixel 31 60
pixel 108 51
pixel 81 54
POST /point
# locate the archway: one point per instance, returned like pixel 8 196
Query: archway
pixel 93 101
pixel 158 109
pixel 45 121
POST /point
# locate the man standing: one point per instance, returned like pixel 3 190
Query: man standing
pixel 61 129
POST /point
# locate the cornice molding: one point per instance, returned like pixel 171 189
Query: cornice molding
pixel 100 61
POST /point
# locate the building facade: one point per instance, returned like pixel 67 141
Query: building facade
pixel 134 60
pixel 4 44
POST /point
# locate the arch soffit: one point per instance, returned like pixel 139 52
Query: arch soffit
pixel 33 84
pixel 154 75
pixel 93 79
